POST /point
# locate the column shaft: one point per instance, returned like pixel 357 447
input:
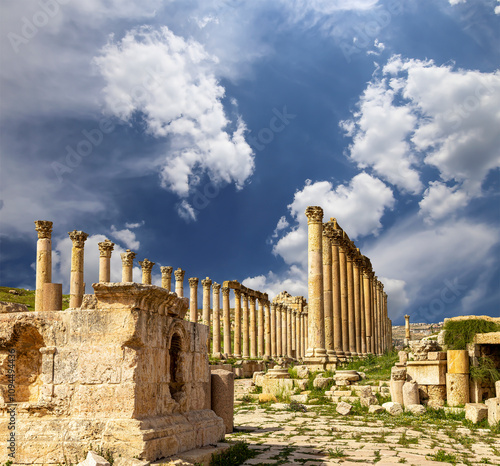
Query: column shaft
pixel 166 277
pixel 327 287
pixel 253 328
pixel 267 330
pixel 357 307
pixel 279 331
pixel 43 259
pixel 289 332
pixel 193 299
pixel 179 282
pixel 127 266
pixel 216 347
pixel 237 324
pixel 105 249
pixel 77 284
pixel 274 353
pixel 226 314
pixel 260 328
pixel 246 329
pixel 350 305
pixel 367 302
pixel 343 300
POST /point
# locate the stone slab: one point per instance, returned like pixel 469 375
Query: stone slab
pixel 427 372
pixel 476 412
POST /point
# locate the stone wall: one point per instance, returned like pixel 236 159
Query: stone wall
pixel 123 372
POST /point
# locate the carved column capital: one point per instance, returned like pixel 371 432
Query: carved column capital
pixel 43 228
pixel 193 282
pixel 216 287
pixel 78 237
pixel 237 293
pixel 206 283
pixel 105 248
pixel 225 291
pixel 179 274
pixel 127 257
pixel 146 265
pixel 166 270
pixel 314 214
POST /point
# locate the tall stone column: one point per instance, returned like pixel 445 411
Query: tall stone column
pixel 237 324
pixel 316 344
pixel 327 287
pixel 350 302
pixel 206 284
pixel 146 266
pixel 344 298
pixel 179 282
pixel 284 331
pixel 279 330
pixel 246 327
pixel 77 285
pixel 407 327
pixel 375 315
pixel 253 328
pixel 362 305
pixel 357 302
pixel 105 249
pixel 295 332
pixel 267 330
pixel 289 332
pixel 226 314
pixel 299 335
pixel 367 304
pixel 274 352
pixel 166 277
pixel 216 349
pixel 389 324
pixel 336 295
pixel 127 266
pixel 260 328
pixel 43 259
pixel 382 316
pixel 193 299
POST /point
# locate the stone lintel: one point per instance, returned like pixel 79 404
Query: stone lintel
pixel 491 338
pixel 139 296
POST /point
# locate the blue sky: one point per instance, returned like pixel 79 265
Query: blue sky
pixel 197 132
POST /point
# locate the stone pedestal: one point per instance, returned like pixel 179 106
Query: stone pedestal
pixel 398 379
pixel 222 391
pixel 458 361
pixel 410 393
pixel 105 249
pixel 427 372
pixel 127 266
pixel 43 260
pixel 52 296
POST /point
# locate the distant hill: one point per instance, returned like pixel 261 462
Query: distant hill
pixel 26 297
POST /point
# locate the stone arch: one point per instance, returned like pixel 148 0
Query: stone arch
pixel 21 354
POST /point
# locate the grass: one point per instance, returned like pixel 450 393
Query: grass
pixel 26 297
pixel 459 333
pixel 405 441
pixel 375 367
pixel 234 456
pixel 444 457
pixel 337 453
pixel 485 371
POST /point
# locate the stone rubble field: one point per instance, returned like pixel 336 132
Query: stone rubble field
pixel 321 436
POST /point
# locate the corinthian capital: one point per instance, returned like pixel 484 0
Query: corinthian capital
pixel 43 228
pixel 78 238
pixel 179 275
pixel 206 283
pixel 128 257
pixel 314 214
pixel 105 248
pixel 146 265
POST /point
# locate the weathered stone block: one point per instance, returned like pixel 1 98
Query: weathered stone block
pixel 497 388
pixel 322 382
pixel 376 409
pixel 368 400
pixel 222 383
pixel 493 405
pixel 416 409
pixel 457 389
pixel 343 408
pixel 458 362
pixel 436 356
pixel 427 372
pixel 410 393
pixel 299 398
pixel 476 412
pixel 394 409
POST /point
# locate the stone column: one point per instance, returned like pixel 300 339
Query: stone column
pixel 316 328
pixel 375 315
pixel 380 289
pixel 226 314
pixel 77 285
pixel 193 299
pixel 372 313
pixel 274 352
pixel 367 304
pixel 206 284
pixel 350 302
pixel 146 266
pixel 43 259
pixel 279 328
pixel 327 287
pixel 362 306
pixel 179 282
pixel 357 302
pixel 253 328
pixel 289 332
pixel 105 249
pixel 237 324
pixel 260 328
pixel 166 277
pixel 336 295
pixel 389 325
pixel 295 330
pixel 344 299
pixel 127 266
pixel 216 347
pixel 407 328
pixel 267 330
pixel 246 327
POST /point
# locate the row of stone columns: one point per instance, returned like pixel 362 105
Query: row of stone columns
pixel 347 303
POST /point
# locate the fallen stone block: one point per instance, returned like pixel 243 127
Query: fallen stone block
pixel 476 412
pixel 343 408
pixel 302 372
pixel 299 398
pixel 393 408
pixel 368 401
pixel 376 409
pixel 416 409
pixel 493 405
pixel 267 397
pixel 322 382
pixel 93 459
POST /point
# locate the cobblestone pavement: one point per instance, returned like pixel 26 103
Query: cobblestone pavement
pixel 321 436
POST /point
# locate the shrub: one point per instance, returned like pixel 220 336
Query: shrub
pixel 459 333
pixel 233 456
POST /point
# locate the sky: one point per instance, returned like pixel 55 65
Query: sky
pixel 196 133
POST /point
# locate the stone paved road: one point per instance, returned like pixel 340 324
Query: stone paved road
pixel 322 437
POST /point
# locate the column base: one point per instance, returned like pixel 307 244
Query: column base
pixel 316 364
